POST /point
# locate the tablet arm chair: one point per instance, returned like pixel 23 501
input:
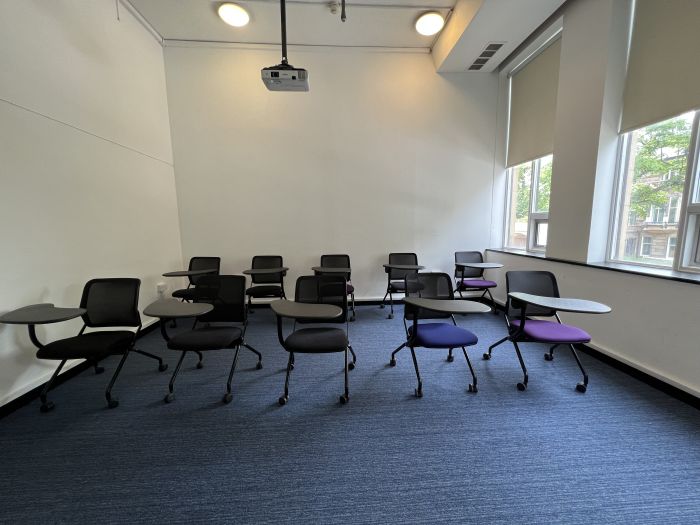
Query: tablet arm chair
pixel 522 329
pixel 325 289
pixel 341 261
pixel 472 279
pixel 433 335
pixel 197 263
pixel 110 303
pixel 269 284
pixel 395 277
pixel 226 293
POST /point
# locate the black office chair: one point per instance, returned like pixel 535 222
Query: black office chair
pixel 227 294
pixel 197 263
pixel 522 329
pixel 324 289
pixel 110 303
pixel 266 285
pixel 472 279
pixel 431 285
pixel 341 261
pixel 396 278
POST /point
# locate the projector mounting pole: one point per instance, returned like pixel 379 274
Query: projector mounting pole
pixel 283 17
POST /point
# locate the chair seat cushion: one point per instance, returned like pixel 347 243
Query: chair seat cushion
pixel 317 340
pixel 94 345
pixel 265 290
pixel 552 332
pixel 476 283
pixel 350 288
pixel 206 338
pixel 400 286
pixel 442 335
pixel 188 294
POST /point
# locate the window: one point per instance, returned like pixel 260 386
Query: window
pixel 529 186
pixel 657 170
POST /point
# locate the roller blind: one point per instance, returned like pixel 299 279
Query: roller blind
pixel 533 102
pixel 663 76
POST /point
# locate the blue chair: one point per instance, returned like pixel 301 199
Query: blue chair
pixel 443 335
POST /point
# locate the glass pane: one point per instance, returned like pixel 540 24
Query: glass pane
pixel 654 179
pixel 544 184
pixel 521 179
pixel 541 233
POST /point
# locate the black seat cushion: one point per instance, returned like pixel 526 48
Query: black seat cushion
pixel 265 290
pixel 95 345
pixel 189 294
pixel 317 340
pixel 206 338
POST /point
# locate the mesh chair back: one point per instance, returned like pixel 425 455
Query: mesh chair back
pixel 468 257
pixel 204 263
pixel 227 294
pixel 324 289
pixel 532 282
pixel 402 258
pixel 337 261
pixel 429 285
pixel 111 302
pixel 267 261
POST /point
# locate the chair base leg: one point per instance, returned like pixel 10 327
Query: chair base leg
pixel 200 363
pixel 418 391
pixel 352 307
pixel 450 357
pixel 580 387
pixel 391 305
pixel 162 367
pixel 351 365
pixel 113 402
pixel 493 302
pixel 472 386
pixel 487 355
pixel 228 396
pixel 392 361
pixel 346 395
pixel 290 364
pixel 46 405
pixel 171 386
pixel 548 356
pixel 521 386
pixel 248 347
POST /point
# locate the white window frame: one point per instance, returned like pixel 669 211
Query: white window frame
pixel 687 254
pixel 668 246
pixel 642 244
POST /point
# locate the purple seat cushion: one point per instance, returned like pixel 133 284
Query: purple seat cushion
pixel 477 283
pixel 350 288
pixel 442 335
pixel 551 332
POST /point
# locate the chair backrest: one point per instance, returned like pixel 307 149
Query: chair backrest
pixel 402 258
pixel 323 289
pixel 468 257
pixel 429 285
pixel 111 302
pixel 227 294
pixel 267 261
pixel 532 282
pixel 337 261
pixel 204 263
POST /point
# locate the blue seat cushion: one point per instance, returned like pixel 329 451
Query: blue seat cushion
pixel 442 335
pixel 206 338
pixel 552 332
pixel 94 345
pixel 476 283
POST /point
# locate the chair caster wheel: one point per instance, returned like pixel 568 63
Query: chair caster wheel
pixel 581 388
pixel 227 398
pixel 390 316
pixel 259 365
pixel 352 319
pixel 99 369
pixel 418 392
pixel 487 357
pixel 450 358
pixel 113 403
pixel 521 386
pixel 282 401
pixel 291 367
pixel 162 367
pixel 169 398
pixel 47 407
pixel 200 365
pixel 381 306
pixel 392 362
pixel 344 399
pixel 351 366
pixel 548 357
pixel 472 389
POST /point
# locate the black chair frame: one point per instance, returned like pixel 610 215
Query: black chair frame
pixel 395 276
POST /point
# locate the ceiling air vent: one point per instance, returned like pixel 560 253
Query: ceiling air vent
pixel 485 56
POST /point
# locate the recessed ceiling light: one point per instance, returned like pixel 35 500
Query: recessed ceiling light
pixel 234 15
pixel 430 23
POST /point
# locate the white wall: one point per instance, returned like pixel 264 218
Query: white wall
pixel 382 155
pixel 86 179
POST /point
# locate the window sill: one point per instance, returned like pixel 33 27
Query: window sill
pixel 658 273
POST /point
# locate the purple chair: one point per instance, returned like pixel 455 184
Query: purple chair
pixel 522 329
pixel 472 279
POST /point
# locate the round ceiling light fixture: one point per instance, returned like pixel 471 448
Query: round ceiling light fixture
pixel 429 24
pixel 234 15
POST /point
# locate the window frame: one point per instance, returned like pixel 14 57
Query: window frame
pixel 687 251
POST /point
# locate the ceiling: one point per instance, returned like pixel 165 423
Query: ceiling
pixel 471 25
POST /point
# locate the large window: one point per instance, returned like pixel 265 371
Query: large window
pixel 528 204
pixel 658 202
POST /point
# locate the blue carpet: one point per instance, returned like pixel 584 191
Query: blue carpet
pixel 621 453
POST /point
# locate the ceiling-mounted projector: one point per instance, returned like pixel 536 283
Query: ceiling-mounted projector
pixel 284 76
